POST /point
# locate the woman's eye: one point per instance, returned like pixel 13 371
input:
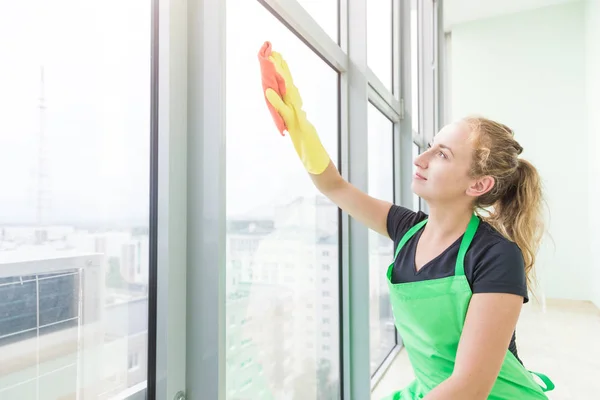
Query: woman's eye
pixel 442 155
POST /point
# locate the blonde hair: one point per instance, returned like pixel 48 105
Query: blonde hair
pixel 514 206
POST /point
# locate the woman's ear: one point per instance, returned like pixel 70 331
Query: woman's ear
pixel 481 186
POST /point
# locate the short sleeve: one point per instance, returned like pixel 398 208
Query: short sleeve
pixel 501 270
pixel 400 220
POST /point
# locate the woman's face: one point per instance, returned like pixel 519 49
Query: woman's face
pixel 442 172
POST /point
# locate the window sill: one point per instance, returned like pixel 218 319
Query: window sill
pixel 398 375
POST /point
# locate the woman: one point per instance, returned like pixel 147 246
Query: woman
pixel 460 275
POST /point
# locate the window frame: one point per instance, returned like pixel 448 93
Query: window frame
pixel 206 200
pixel 191 198
pixel 394 118
pixel 168 258
pixel 428 71
pixel 187 194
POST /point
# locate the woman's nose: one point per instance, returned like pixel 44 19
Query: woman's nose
pixel 421 160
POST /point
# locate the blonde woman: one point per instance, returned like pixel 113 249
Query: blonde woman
pixel 459 279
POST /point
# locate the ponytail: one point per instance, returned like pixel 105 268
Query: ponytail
pixel 518 214
pixel 514 205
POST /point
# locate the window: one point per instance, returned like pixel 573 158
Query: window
pixel 75 154
pixel 415 85
pixel 81 199
pixel 379 40
pixel 381 185
pixel 416 199
pixel 325 12
pixel 267 185
pixel 133 361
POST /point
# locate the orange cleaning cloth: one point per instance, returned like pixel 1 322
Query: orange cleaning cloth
pixel 271 80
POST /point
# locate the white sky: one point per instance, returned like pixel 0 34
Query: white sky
pixel 96 57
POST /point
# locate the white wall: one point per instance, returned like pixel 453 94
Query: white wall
pixel 461 11
pixel 527 70
pixel 592 51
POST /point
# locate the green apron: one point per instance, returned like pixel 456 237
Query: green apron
pixel 430 315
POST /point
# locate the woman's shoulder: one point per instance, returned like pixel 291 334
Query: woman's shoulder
pixel 401 219
pixel 490 244
pixel 497 263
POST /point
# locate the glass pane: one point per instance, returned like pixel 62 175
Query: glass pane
pixel 325 12
pixel 381 186
pixel 74 209
pixel 414 64
pixel 416 199
pixel 282 310
pixel 379 39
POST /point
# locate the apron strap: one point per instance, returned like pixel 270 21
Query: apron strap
pixel 464 245
pixel 549 384
pixel 411 232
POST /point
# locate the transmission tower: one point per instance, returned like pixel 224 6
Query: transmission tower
pixel 42 197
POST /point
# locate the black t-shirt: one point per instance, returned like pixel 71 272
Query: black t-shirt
pixel 493 264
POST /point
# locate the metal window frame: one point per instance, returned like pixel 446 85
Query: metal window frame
pixel 354 85
pixel 397 37
pixel 445 80
pixel 403 137
pixel 206 199
pixel 299 21
pixel 384 101
pixel 170 59
pixel 403 134
pixel 443 48
pixel 153 205
pixel 203 197
pixel 437 65
pixel 428 71
pixel 383 108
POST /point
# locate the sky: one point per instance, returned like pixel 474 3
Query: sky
pixel 96 62
pixel 97 68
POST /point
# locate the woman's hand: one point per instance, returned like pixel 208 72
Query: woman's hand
pixel 285 99
pixel 286 107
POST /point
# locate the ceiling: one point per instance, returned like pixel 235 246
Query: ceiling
pixel 459 11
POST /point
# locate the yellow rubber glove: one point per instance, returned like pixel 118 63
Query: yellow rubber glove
pixel 303 134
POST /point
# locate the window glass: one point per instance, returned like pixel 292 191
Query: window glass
pixel 381 186
pixel 379 40
pixel 325 12
pixel 278 221
pixel 414 65
pixel 75 155
pixel 416 199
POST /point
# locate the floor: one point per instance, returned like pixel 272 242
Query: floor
pixel 563 342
